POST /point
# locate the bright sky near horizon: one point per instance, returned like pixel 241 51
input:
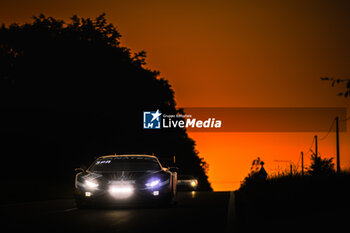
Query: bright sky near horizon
pixel 232 54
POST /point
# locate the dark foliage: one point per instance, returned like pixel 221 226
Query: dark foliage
pixel 346 90
pixel 320 166
pixel 257 173
pixel 293 199
pixel 70 92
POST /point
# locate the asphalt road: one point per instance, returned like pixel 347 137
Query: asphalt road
pixel 194 212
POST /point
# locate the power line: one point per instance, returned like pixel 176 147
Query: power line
pixel 346 119
pixel 335 120
pixel 297 166
pixel 330 129
pixel 309 150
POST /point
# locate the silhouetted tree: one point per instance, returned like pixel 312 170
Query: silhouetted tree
pixel 346 92
pixel 320 166
pixel 70 91
pixel 257 173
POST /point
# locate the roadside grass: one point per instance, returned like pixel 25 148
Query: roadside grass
pixel 16 190
pixel 290 196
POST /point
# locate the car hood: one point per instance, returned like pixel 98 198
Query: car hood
pixel 127 175
pixel 134 176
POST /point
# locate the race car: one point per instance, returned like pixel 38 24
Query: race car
pixel 125 180
pixel 187 182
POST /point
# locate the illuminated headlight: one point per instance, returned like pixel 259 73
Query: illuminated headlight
pixel 91 184
pixel 155 193
pixel 153 183
pixel 193 183
pixel 88 194
pixel 121 191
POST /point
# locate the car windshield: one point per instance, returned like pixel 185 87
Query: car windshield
pixel 125 164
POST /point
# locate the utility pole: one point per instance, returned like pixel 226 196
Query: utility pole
pixel 302 163
pixel 337 136
pixel 316 152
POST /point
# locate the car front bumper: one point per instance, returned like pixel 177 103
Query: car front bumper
pixel 106 197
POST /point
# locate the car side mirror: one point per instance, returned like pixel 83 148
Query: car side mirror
pixel 79 169
pixel 173 169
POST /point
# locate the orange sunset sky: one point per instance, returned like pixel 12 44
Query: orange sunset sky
pixel 232 54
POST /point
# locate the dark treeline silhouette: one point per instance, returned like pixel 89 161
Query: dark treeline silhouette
pixel 257 173
pixel 274 202
pixel 321 166
pixel 70 92
pixel 346 90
